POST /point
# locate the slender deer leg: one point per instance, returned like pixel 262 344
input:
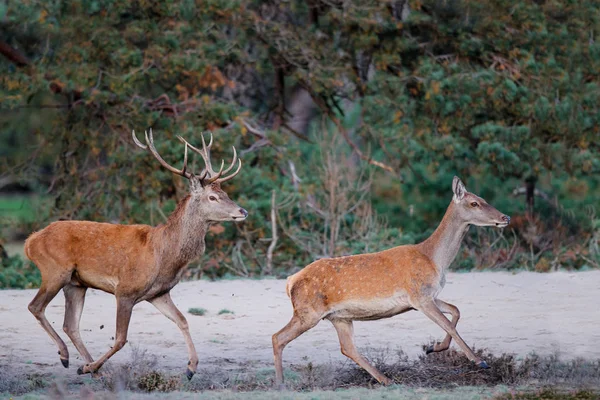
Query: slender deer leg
pixel 446 308
pixel 431 310
pixel 345 331
pixel 74 300
pixel 124 309
pixel 296 327
pixel 165 305
pixel 37 307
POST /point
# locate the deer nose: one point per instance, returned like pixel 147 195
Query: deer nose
pixel 506 218
pixel 244 212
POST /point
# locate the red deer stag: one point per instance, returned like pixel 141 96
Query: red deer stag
pixel 372 286
pixel 133 262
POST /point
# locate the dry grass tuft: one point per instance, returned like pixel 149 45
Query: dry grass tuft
pixel 451 368
pixel 550 394
pixel 17 385
pixel 140 373
pixel 445 370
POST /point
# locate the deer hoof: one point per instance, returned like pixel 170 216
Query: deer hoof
pixel 482 364
pixel 189 373
pixel 429 350
pixel 387 382
pixel 64 362
pixel 80 371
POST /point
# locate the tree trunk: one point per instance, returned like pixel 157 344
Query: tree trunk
pixel 530 193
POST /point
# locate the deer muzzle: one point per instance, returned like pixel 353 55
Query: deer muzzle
pixel 241 216
pixel 505 220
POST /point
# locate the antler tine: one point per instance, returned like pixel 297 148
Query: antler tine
pixel 232 161
pixel 207 153
pixel 137 142
pixel 150 141
pixel 216 176
pixel 209 175
pixel 225 179
pixel 185 159
pixel 204 153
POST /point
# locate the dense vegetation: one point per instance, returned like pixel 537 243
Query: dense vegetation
pixel 351 118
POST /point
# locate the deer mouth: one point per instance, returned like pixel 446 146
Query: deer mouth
pixel 504 221
pixel 241 216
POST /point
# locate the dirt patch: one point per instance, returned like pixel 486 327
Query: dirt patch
pixel 553 315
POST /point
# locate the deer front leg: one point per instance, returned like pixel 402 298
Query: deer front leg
pixel 165 305
pixel 124 309
pixel 431 310
pixel 446 308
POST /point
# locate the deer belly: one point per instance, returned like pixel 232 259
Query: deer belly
pixel 366 310
pixel 93 280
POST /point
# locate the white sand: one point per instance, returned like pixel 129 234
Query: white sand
pixel 516 313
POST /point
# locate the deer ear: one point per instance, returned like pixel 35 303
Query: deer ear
pixel 459 189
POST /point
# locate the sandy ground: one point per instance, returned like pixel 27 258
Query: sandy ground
pixel 516 313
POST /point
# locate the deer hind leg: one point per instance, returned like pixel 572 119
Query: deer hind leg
pixel 124 309
pixel 345 331
pixel 48 290
pixel 74 300
pixel 165 305
pixel 300 323
pixel 431 310
pixel 445 308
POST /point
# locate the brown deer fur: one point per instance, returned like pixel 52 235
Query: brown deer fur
pixel 134 262
pixel 380 285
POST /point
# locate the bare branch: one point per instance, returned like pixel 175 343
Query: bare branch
pixel 327 110
pixel 13 54
pixel 274 237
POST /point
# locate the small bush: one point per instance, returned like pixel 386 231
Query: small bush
pixel 17 273
pixel 15 385
pixel 225 311
pixel 155 381
pixel 197 311
pixel 138 374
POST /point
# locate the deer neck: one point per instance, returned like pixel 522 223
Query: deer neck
pixel 443 245
pixel 182 236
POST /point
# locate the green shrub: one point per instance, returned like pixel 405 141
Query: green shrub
pixel 17 273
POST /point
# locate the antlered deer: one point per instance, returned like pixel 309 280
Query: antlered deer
pixel 133 262
pixel 372 286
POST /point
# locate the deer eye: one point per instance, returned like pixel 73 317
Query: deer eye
pixel 212 198
pixel 474 204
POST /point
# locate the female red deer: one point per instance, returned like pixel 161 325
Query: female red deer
pixel 133 262
pixel 372 286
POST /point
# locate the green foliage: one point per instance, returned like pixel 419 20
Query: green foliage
pixel 197 311
pixel 225 311
pixel 18 274
pixel 492 91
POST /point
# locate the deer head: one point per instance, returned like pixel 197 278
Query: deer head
pixel 206 195
pixel 475 210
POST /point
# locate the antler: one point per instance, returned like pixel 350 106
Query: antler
pixel 209 175
pixel 150 145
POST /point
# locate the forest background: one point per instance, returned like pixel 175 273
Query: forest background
pixel 351 118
